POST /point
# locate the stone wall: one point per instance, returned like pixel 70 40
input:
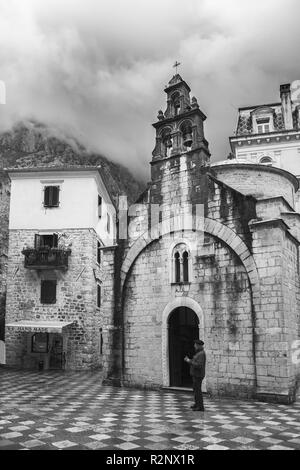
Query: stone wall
pixel 276 255
pixel 76 299
pixel 260 181
pixel 219 284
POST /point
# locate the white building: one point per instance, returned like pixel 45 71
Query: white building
pixel 60 221
pixel 270 133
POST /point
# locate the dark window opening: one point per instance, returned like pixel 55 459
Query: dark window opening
pixel 266 160
pixel 48 292
pixel 47 241
pixel 98 296
pixel 176 107
pixel 101 341
pixel 185 267
pixel 98 252
pixel 39 343
pixel 167 142
pixel 176 103
pixel 108 223
pixel 99 206
pixel 51 196
pixel 177 267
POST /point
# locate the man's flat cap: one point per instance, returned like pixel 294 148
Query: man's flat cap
pixel 199 341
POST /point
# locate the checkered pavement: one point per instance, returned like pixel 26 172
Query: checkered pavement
pixel 72 410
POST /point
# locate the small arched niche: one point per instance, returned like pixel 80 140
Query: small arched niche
pixel 175 101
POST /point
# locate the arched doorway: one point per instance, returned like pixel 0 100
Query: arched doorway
pixel 183 327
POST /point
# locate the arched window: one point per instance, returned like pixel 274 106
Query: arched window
pixel 185 262
pixel 176 103
pixel 177 267
pixel 266 160
pixel 180 264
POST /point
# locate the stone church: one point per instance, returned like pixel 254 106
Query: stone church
pixel 228 274
pixel 208 251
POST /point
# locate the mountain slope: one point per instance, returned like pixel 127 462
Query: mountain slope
pixel 31 144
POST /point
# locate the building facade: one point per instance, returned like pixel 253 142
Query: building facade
pixel 270 133
pixel 208 251
pixel 60 221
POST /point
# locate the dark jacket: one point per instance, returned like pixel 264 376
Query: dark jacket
pixel 197 366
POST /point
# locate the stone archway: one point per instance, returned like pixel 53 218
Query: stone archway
pixel 169 308
pixel 210 226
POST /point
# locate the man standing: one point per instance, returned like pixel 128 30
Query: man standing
pixel 197 371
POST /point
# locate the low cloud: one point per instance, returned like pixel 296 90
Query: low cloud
pixel 96 69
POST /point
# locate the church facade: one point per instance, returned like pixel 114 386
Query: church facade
pixel 208 251
pixel 219 262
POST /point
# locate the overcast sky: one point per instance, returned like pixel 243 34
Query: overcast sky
pixel 97 68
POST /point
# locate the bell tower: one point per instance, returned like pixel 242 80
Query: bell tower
pixel 181 151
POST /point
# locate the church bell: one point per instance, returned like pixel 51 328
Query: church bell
pixel 187 140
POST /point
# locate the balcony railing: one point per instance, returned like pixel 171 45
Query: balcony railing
pixel 46 258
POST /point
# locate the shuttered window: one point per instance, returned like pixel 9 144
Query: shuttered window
pixel 51 196
pixel 48 292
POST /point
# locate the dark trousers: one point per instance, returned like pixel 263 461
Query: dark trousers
pixel 197 384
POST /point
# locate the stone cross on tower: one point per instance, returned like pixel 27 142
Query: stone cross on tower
pixel 176 65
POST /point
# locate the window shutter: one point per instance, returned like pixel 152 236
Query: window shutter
pixel 55 195
pixel 51 196
pixel 47 196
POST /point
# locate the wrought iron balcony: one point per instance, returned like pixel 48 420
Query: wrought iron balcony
pixel 46 258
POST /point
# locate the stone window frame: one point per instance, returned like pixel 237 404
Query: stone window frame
pixel 184 248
